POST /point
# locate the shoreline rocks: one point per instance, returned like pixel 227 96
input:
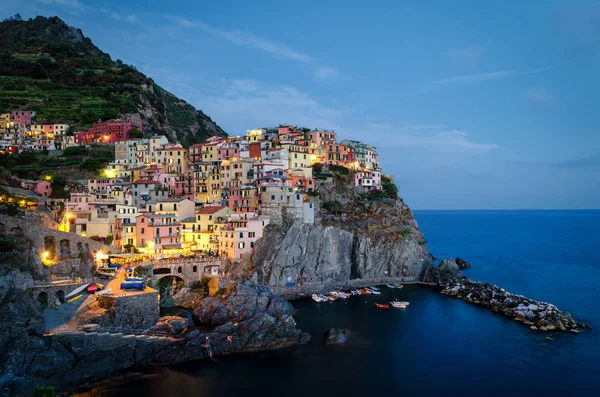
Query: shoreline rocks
pixel 337 336
pixel 536 315
pixel 462 264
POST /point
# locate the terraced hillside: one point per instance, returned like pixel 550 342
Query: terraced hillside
pixel 53 69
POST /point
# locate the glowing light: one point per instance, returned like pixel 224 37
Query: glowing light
pixel 110 173
pixel 83 234
pixel 45 255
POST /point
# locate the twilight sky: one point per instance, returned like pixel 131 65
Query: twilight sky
pixel 471 104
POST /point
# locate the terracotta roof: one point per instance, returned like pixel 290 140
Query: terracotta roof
pixel 209 210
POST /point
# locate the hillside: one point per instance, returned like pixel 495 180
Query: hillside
pixel 53 69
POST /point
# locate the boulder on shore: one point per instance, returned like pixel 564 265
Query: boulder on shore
pixel 337 336
pixel 462 264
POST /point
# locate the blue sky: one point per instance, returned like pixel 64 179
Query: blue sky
pixel 472 104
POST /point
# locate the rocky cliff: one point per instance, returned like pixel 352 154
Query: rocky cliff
pixel 248 317
pixel 355 236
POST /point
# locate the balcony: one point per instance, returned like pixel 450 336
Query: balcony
pixel 164 224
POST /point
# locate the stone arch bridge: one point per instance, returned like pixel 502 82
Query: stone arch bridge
pixel 189 270
pixel 44 295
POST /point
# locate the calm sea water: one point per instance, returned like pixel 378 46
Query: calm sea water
pixel 438 344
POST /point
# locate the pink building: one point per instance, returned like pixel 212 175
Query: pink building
pixel 157 232
pixel 21 116
pixel 43 188
pixel 239 234
pixel 367 180
pixel 109 131
pixel 228 150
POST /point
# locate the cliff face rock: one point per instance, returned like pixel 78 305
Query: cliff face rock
pixel 353 237
pixel 242 301
pixel 251 318
pixel 447 270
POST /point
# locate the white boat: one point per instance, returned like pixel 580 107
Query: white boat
pixel 319 298
pixel 343 295
pixel 398 286
pixel 374 292
pixel 355 292
pixel 333 295
pixel 76 291
pixel 390 286
pixel 399 304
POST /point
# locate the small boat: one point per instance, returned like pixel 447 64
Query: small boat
pixel 382 306
pixel 374 292
pixel 319 298
pixel 398 286
pixel 374 288
pixel 355 292
pixel 367 291
pixel 400 305
pixel 390 286
pixel 343 295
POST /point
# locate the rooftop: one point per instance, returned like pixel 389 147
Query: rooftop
pixel 209 210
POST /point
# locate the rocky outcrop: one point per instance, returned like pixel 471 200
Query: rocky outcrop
pixel 337 336
pixel 537 315
pixel 446 271
pixel 251 318
pixel 384 241
pixel 462 264
pixel 242 300
pixel 172 325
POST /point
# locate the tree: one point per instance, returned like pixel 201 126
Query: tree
pixel 135 133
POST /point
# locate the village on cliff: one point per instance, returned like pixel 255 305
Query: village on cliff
pixel 161 200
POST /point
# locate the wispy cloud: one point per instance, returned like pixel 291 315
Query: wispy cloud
pixel 246 39
pixel 478 78
pixel 275 49
pixel 325 73
pixel 542 96
pixel 466 56
pixel 587 161
pixel 467 79
pixel 433 139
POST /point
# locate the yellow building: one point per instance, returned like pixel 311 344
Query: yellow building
pixel 174 159
pixel 210 152
pixel 207 182
pixel 198 232
pixel 255 135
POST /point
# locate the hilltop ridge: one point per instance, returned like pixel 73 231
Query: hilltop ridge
pixel 55 70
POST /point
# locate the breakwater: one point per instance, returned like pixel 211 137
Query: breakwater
pixel 537 315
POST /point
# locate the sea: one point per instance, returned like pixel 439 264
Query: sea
pixel 438 345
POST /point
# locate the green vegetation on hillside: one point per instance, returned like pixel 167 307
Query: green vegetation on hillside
pixel 53 69
pixel 37 165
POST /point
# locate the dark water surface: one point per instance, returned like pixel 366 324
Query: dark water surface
pixel 438 344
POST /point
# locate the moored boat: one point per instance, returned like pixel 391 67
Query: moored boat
pixel 390 286
pixel 355 292
pixel 382 306
pixel 398 286
pixel 399 304
pixel 319 298
pixel 373 288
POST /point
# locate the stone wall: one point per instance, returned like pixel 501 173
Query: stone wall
pixel 61 245
pixel 139 311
